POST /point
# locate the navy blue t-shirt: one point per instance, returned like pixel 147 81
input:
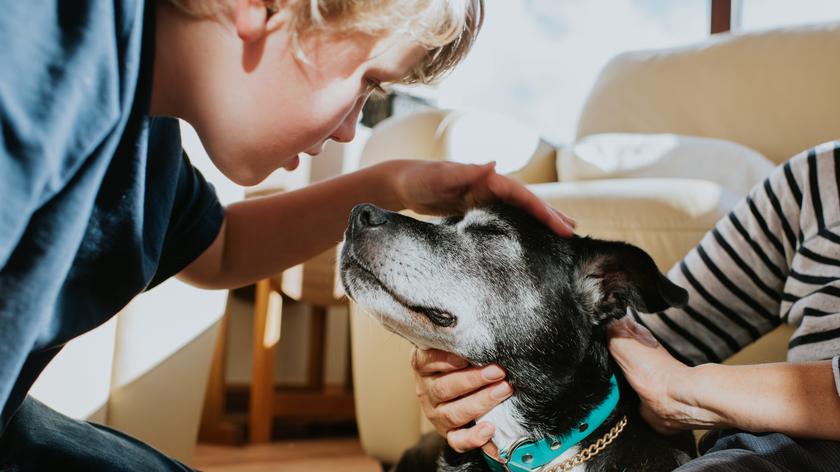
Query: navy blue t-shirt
pixel 98 201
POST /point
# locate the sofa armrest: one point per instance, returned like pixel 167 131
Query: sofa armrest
pixel 540 168
pixel 388 414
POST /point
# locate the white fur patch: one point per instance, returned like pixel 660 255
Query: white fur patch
pixel 509 429
pixel 475 217
pixel 590 294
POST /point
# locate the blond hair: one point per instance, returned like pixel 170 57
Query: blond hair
pixel 446 28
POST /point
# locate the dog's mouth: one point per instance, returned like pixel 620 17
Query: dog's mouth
pixel 436 316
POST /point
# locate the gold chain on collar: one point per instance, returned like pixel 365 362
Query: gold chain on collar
pixel 592 450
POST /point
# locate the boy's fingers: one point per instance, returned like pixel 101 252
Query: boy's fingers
pixel 467 174
pixel 467 439
pixel 434 361
pixel 514 193
pixel 568 219
pixel 453 385
pixel 457 413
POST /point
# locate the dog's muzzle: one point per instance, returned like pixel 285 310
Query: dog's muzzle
pixel 367 219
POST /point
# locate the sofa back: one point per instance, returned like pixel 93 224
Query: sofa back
pixel 775 91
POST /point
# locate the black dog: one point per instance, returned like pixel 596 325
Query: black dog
pixel 497 286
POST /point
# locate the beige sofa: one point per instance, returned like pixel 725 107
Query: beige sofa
pixel 776 92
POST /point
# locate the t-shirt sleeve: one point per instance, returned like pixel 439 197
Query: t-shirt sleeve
pixel 735 279
pixel 195 222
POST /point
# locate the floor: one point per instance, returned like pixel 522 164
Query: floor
pixel 310 455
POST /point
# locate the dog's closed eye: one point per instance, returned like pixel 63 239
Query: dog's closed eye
pixel 486 229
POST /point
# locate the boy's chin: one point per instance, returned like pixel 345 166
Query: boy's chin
pixel 243 176
pixel 292 163
pixel 248 176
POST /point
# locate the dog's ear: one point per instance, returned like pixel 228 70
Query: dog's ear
pixel 626 276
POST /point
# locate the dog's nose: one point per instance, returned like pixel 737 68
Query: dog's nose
pixel 366 215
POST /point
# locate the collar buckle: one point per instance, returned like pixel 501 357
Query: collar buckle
pixel 542 452
pixel 505 464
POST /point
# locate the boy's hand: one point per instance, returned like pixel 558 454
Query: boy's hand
pixel 448 188
pixel 453 394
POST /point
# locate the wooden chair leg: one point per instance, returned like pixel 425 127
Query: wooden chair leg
pixel 267 309
pixel 317 345
pixel 215 428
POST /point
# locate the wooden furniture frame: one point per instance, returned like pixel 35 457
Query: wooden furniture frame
pixel 312 401
pixel 313 283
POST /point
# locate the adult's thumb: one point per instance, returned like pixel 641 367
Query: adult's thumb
pixel 627 327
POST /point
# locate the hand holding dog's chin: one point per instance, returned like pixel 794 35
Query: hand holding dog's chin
pixel 665 386
pixel 448 188
pixel 452 394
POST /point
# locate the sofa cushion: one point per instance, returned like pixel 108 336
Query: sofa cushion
pixel 623 155
pixel 774 91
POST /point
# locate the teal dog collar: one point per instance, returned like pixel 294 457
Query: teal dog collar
pixel 527 455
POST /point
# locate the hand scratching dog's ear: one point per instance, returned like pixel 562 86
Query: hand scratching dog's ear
pixel 626 276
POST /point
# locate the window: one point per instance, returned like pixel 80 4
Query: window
pixel 749 15
pixel 535 60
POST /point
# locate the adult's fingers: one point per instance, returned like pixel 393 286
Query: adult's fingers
pixel 514 193
pixel 434 361
pixel 456 413
pixel 467 439
pixel 452 385
pixel 627 327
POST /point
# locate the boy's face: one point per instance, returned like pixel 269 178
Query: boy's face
pixel 258 106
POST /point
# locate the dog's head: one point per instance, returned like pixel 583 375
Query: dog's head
pixel 489 284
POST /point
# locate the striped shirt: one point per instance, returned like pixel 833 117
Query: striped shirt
pixel 774 259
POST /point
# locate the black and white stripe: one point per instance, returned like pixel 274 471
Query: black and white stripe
pixel 774 259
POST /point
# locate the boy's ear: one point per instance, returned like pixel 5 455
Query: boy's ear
pixel 627 276
pixel 250 19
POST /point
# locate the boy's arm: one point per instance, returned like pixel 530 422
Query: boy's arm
pixel 263 236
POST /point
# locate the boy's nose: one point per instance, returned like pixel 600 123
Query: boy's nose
pixel 346 132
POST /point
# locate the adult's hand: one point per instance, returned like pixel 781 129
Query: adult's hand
pixel 663 383
pixel 447 188
pixel 794 398
pixel 453 394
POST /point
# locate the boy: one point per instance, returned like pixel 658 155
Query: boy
pixel 99 203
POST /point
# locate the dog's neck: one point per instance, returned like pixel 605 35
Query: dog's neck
pixel 549 401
